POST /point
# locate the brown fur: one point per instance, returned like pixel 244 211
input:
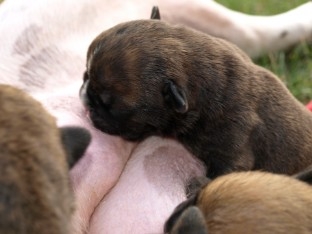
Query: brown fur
pixel 35 196
pixel 148 77
pixel 248 202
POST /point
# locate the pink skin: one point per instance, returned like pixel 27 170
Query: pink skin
pixel 120 187
pixel 150 187
pixel 151 175
pixel 45 56
pixel 98 171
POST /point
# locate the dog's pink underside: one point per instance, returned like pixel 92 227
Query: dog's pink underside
pixel 120 187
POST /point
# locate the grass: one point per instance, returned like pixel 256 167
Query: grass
pixel 294 67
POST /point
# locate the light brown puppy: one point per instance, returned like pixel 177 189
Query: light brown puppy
pixel 246 202
pixel 35 194
pixel 148 77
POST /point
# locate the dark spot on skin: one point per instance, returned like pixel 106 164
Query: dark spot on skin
pixel 172 164
pixel 25 43
pixel 47 62
pixel 28 75
pixel 284 34
pixel 34 65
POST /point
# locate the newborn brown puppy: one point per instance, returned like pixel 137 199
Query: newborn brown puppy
pixel 147 77
pixel 246 202
pixel 35 194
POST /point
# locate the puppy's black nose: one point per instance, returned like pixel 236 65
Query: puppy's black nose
pixel 90 99
pixel 85 76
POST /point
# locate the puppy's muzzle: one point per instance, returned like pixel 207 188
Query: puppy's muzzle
pixel 91 101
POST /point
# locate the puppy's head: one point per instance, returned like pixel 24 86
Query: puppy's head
pixel 135 83
pixel 34 160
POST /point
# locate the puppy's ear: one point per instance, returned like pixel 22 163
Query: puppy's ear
pixel 191 221
pixel 155 13
pixel 305 175
pixel 177 213
pixel 175 97
pixel 75 142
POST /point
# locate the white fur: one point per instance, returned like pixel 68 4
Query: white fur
pixel 43 51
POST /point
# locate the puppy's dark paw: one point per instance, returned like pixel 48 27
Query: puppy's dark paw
pixel 175 216
pixel 75 141
pixel 305 175
pixel 191 221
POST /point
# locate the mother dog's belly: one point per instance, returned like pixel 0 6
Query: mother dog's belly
pixel 122 187
pixel 150 187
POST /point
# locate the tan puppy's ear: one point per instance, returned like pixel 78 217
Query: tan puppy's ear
pixel 75 141
pixel 177 213
pixel 155 13
pixel 305 175
pixel 175 97
pixel 191 221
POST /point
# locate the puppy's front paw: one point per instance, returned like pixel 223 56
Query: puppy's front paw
pixel 75 141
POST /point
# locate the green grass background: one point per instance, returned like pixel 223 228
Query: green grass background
pixel 294 67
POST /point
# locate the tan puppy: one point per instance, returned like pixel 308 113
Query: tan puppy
pixel 35 196
pixel 147 77
pixel 246 202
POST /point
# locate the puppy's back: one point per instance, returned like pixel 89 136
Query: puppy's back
pixel 34 188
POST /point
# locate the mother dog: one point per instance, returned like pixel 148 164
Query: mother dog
pixel 43 47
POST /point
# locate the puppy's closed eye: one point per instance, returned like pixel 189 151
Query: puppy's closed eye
pixel 106 99
pixel 93 98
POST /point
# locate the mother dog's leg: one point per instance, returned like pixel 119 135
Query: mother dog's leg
pixel 256 35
